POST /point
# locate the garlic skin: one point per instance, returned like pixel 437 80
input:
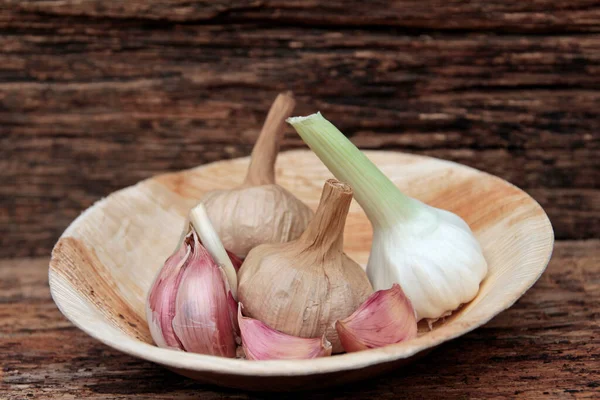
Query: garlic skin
pixel 430 252
pixel 260 342
pixel 190 306
pixel 255 215
pixel 439 264
pixel 302 287
pixel 387 317
pixel 259 211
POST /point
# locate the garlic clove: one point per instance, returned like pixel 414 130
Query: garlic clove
pixel 160 306
pixel 260 342
pixel 202 320
pixel 387 317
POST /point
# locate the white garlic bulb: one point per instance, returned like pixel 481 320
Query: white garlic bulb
pixel 438 261
pixel 431 253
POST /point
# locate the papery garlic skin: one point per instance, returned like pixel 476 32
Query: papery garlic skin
pixel 254 215
pixel 430 252
pixel 261 342
pixel 386 317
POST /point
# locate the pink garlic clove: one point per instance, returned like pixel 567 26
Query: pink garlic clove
pixel 160 305
pixel 260 342
pixel 386 317
pixel 202 320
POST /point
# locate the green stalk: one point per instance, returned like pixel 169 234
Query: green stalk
pixel 382 201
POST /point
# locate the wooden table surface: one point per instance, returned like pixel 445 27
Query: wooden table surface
pixel 546 344
pixel 96 95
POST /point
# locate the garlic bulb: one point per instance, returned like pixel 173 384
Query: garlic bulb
pixel 261 342
pixel 302 287
pixel 387 317
pixel 190 305
pixel 439 263
pixel 430 252
pixel 259 211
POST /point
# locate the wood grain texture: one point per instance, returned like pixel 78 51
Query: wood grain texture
pixel 580 15
pixel 546 346
pixel 96 95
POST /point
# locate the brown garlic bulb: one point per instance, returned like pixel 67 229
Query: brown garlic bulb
pixel 259 211
pixel 304 286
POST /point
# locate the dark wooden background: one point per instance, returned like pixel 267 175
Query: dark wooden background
pixel 96 95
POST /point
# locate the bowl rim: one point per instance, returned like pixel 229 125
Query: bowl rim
pixel 342 362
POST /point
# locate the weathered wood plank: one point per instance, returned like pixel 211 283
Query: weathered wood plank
pixel 546 345
pixel 41 196
pixel 538 16
pixel 97 95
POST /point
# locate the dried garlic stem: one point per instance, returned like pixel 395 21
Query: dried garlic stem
pixel 264 154
pixel 325 232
